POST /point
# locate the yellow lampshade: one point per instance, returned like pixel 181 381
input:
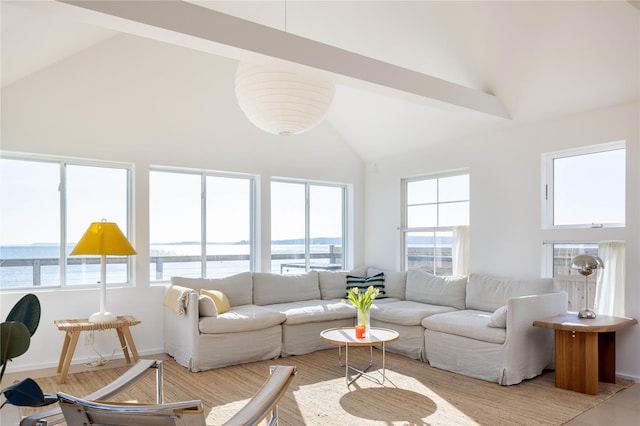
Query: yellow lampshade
pixel 104 238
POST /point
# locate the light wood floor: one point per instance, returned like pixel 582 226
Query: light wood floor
pixel 623 409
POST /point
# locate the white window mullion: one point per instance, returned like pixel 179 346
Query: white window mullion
pixel 203 225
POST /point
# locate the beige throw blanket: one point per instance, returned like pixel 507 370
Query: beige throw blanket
pixel 176 299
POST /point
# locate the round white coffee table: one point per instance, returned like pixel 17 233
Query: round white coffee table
pixel 346 336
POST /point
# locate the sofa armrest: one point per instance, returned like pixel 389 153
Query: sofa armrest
pixel 181 332
pixel 528 347
pixel 523 311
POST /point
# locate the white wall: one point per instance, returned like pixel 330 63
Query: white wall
pixel 148 103
pixel 505 171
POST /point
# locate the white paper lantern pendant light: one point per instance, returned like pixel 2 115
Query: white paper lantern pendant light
pixel 281 102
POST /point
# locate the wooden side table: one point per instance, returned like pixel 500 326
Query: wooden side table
pixel 73 327
pixel 585 349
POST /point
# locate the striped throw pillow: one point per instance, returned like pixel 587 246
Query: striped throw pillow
pixel 363 283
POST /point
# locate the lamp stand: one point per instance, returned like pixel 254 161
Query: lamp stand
pixel 103 315
pixel 586 312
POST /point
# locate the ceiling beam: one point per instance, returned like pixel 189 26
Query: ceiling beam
pixel 200 28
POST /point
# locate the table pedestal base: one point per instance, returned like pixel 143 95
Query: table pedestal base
pixel 361 372
pixel 583 359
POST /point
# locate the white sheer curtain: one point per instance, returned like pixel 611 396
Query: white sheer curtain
pixel 611 280
pixel 460 250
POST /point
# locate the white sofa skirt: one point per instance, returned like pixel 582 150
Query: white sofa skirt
pixel 299 339
pixel 411 341
pixel 221 350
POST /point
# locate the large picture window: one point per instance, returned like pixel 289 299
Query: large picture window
pixel 435 220
pixel 201 224
pixel 307 226
pixel 46 205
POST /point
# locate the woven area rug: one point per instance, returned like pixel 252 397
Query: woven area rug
pixel 413 394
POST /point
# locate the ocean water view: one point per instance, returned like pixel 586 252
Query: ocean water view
pixel 37 265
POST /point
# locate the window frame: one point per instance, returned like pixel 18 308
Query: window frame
pixel 549 271
pixel 203 174
pixel 405 229
pixel 307 237
pixel 547 191
pixel 62 162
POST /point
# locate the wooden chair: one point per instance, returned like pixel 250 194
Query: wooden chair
pixel 263 405
pixel 133 375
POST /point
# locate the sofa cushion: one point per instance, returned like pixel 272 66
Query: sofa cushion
pixel 405 312
pixel 271 288
pixel 220 300
pixel 242 318
pixel 238 288
pixel 363 283
pixel 428 288
pixel 307 311
pixel 332 283
pixel 468 323
pixel 395 283
pixel 206 307
pixel 487 293
pixel 499 317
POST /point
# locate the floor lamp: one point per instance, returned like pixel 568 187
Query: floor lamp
pixel 586 264
pixel 103 238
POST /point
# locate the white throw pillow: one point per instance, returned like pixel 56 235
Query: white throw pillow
pixel 499 318
pixel 206 307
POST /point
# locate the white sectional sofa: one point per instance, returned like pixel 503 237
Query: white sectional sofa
pixel 443 321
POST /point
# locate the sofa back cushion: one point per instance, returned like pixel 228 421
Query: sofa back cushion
pixel 487 293
pixel 427 288
pixel 238 288
pixel 274 288
pixel 395 283
pixel 333 284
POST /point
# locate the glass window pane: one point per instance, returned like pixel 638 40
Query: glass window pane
pixel 589 188
pixel 174 225
pixel 419 251
pixel 453 188
pixel 454 214
pixel 93 194
pixel 422 216
pixel 422 191
pixel 570 280
pixel 287 227
pixel 29 224
pixel 228 226
pixel 442 248
pixel 430 251
pixel 325 223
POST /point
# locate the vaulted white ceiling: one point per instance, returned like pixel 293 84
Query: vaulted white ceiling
pixel 539 59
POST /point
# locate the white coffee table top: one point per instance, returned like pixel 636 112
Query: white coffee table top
pixel 347 335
